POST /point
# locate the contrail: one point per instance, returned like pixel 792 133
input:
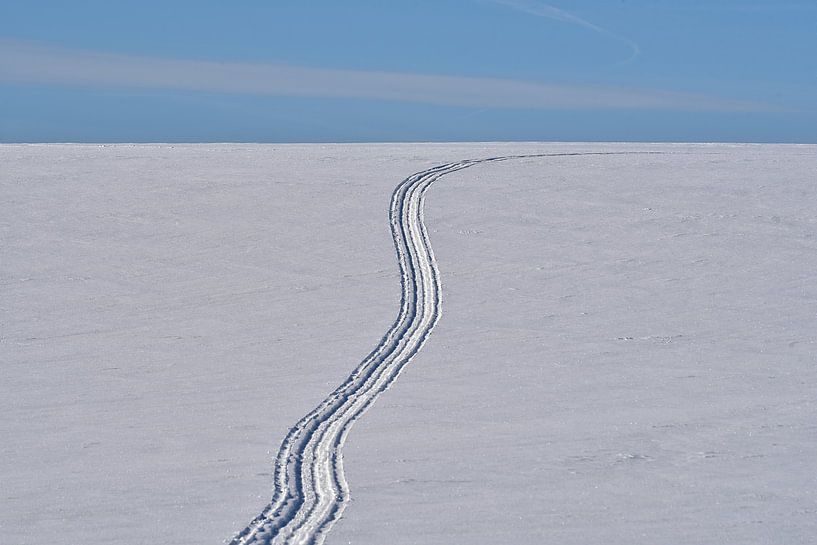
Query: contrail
pixel 540 9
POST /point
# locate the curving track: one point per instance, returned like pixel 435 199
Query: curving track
pixel 310 488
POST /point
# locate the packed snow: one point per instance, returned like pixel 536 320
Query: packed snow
pixel 625 352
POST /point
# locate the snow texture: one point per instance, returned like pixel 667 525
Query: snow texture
pixel 625 354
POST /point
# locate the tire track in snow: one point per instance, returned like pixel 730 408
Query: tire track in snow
pixel 310 489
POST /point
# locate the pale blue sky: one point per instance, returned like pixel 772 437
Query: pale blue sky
pixel 306 71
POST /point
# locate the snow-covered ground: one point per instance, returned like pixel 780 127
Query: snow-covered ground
pixel 626 352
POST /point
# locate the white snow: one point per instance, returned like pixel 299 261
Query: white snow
pixel 626 352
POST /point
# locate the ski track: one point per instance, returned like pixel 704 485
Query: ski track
pixel 310 489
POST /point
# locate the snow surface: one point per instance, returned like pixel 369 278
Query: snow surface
pixel 626 352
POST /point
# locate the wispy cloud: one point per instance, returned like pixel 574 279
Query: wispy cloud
pixel 541 9
pixel 38 64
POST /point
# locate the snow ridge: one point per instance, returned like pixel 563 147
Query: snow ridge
pixel 310 488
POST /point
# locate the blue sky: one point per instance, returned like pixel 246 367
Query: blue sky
pixel 329 71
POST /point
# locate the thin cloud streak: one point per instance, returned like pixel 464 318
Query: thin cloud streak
pixel 37 64
pixel 540 9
